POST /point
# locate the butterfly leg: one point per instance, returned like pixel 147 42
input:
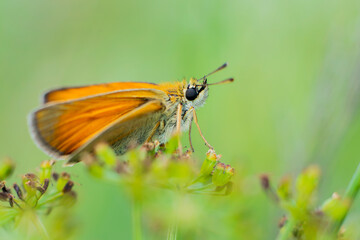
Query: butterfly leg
pixel 188 115
pixel 198 127
pixel 190 142
pixel 178 126
pixel 153 131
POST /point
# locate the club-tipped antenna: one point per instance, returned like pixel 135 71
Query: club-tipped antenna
pixel 228 80
pixel 216 70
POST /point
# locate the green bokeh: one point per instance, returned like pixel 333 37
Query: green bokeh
pixel 295 100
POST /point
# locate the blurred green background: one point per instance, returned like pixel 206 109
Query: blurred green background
pixel 295 100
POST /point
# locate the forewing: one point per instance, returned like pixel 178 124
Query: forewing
pixel 60 129
pixel 130 130
pixel 71 93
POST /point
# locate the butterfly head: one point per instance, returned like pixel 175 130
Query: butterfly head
pixel 196 92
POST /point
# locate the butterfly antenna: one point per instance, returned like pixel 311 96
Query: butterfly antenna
pixel 229 80
pixel 216 70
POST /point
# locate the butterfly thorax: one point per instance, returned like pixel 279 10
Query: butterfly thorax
pixel 177 95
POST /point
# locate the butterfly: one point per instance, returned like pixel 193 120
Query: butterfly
pixel 74 120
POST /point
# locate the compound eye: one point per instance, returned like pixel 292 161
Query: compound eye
pixel 191 94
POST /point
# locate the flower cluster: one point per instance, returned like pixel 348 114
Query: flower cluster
pixel 144 172
pixel 160 166
pixel 304 219
pixel 36 196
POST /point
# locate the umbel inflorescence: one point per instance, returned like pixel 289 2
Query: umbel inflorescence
pixel 304 218
pixel 155 165
pixel 143 172
pixel 26 204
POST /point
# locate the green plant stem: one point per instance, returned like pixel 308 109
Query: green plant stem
pixel 286 230
pixel 136 220
pixel 39 225
pixel 354 185
pixel 172 232
pixel 350 194
pixel 50 199
pixel 204 186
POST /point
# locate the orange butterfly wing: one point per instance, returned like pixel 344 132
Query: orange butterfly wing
pixel 62 128
pixel 64 94
pixel 132 128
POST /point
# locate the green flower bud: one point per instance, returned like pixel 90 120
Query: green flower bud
pixel 306 185
pixel 106 154
pixel 335 207
pixel 209 163
pixel 222 174
pixel 46 167
pixel 30 187
pixel 29 183
pixel 62 181
pixel 284 188
pixel 6 168
pixel 229 170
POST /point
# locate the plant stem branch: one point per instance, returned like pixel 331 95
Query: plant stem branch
pixel 40 226
pixel 350 194
pixel 286 230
